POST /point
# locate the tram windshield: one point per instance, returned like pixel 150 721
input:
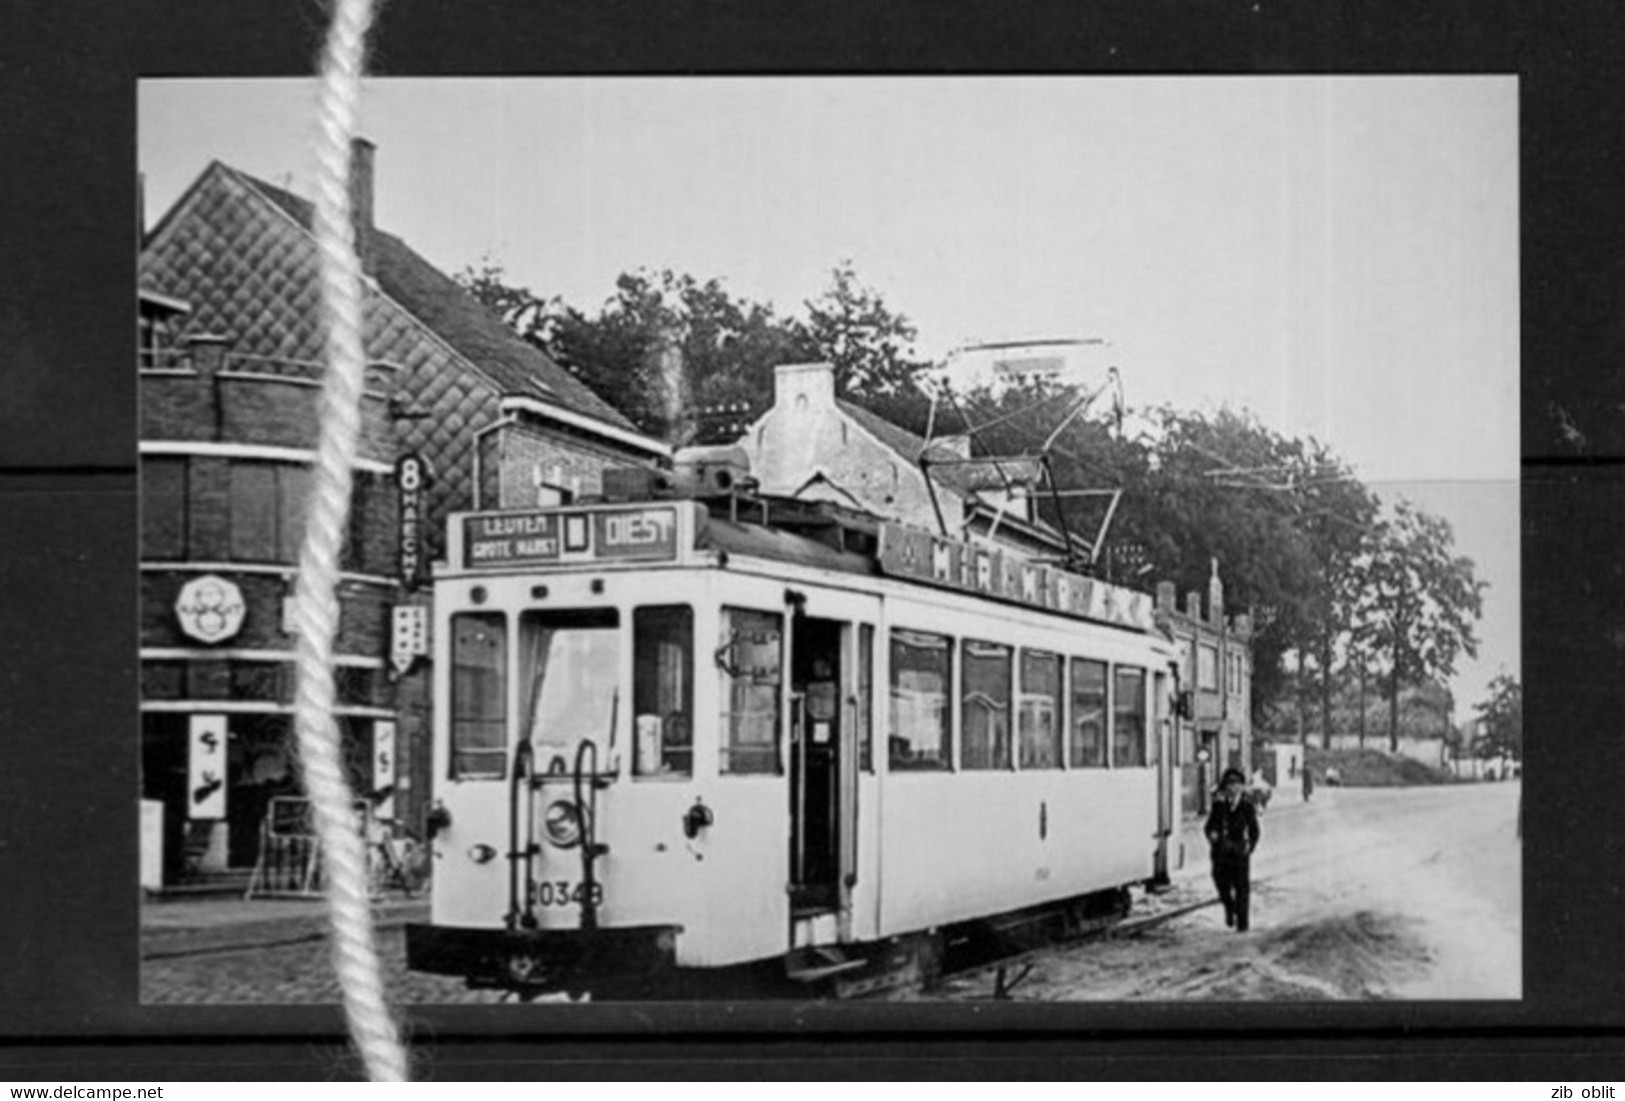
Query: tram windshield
pixel 569 665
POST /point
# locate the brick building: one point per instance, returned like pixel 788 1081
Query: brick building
pixel 1215 731
pixel 229 352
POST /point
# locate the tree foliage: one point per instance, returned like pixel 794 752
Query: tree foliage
pixel 663 349
pixel 1283 516
pixel 1296 535
pixel 1417 603
pixel 870 345
pixel 1502 716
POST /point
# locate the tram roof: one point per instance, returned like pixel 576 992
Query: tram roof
pixel 813 535
pixel 779 545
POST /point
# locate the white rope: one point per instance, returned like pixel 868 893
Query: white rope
pixel 316 612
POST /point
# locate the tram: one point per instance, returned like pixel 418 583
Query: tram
pixel 679 740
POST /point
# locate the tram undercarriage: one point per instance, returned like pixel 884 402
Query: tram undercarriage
pixel 639 963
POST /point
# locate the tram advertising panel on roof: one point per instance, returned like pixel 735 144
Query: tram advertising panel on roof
pixel 988 571
pixel 530 538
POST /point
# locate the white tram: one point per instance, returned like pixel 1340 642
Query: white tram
pixel 676 741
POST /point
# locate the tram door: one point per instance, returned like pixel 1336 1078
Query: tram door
pixel 815 760
pixel 1162 741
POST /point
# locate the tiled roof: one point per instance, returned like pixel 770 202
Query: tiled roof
pixel 962 478
pixel 460 320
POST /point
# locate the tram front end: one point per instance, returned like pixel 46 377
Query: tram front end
pixel 563 749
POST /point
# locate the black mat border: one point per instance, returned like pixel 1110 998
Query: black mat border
pixel 67 531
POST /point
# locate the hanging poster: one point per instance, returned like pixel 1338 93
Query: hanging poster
pixel 206 767
pixel 383 767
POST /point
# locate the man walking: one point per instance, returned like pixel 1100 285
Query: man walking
pixel 1232 835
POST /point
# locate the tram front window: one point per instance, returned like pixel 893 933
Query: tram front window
pixel 568 665
pixel 663 691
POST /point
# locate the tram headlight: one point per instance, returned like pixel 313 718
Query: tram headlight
pixel 562 823
pixel 482 854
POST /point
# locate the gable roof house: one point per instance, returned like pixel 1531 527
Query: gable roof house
pixel 813 445
pixel 242 253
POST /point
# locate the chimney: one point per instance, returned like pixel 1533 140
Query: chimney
pixel 681 424
pixel 1165 596
pixel 1193 605
pixel 804 386
pixel 1215 595
pixel 361 157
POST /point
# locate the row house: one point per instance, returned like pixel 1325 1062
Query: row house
pixel 1215 677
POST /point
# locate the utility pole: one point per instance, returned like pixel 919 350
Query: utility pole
pixel 1303 733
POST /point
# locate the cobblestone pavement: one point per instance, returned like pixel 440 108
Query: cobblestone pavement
pixel 230 952
pixel 296 973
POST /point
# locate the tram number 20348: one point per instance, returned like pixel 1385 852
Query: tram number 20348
pixel 561 892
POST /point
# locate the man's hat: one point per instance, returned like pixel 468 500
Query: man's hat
pixel 1235 774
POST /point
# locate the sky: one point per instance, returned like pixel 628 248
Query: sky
pixel 1338 255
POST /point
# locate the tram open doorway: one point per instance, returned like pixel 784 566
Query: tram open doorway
pixel 815 764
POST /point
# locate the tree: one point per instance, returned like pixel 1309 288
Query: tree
pixel 527 313
pixel 664 348
pixel 1340 513
pixel 1418 603
pixel 870 346
pixel 1283 517
pixel 1502 718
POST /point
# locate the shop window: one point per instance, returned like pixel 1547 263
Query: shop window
pixel 663 691
pixel 985 706
pixel 163 508
pixel 1039 723
pixel 751 664
pixel 1128 718
pixel 479 696
pixel 1087 744
pixel 569 669
pixel 920 730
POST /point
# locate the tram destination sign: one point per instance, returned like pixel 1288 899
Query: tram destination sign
pixel 1004 575
pixel 496 540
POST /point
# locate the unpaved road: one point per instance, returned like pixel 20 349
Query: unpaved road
pixel 1360 894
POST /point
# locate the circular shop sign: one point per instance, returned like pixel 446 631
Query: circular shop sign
pixel 210 608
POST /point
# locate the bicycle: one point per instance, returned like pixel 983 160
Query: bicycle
pixel 395 859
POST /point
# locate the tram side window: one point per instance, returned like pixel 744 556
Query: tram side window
pixel 985 707
pixel 1087 743
pixel 1128 718
pixel 1040 716
pixel 663 691
pixel 866 697
pixel 750 660
pixel 921 684
pixel 479 664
